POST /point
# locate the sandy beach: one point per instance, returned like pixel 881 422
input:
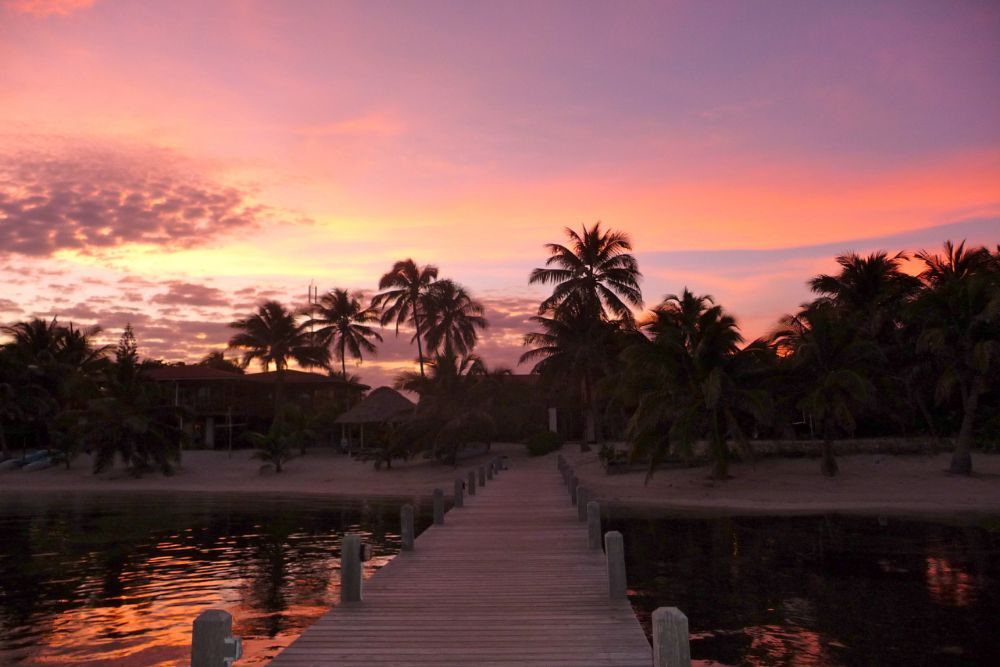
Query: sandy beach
pixel 895 484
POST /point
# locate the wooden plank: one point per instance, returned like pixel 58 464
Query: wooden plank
pixel 508 579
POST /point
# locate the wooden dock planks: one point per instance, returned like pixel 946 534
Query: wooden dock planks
pixel 507 580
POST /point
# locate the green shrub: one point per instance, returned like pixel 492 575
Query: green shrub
pixel 543 442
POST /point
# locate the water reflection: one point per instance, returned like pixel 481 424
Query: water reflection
pixel 96 580
pixel 822 590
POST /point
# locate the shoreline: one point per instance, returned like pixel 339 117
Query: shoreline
pixel 901 485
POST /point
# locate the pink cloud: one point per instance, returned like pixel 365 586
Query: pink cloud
pixel 43 8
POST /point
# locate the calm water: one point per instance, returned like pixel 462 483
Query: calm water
pixel 91 580
pixel 822 590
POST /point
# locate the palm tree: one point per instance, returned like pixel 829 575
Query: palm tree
pixel 273 336
pixel 343 320
pixel 574 348
pixel 692 380
pixel 959 314
pixel 596 270
pixel 403 290
pixel 452 319
pixel 453 409
pixel 830 364
pixel 217 359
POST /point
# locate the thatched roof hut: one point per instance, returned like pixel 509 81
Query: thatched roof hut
pixel 383 406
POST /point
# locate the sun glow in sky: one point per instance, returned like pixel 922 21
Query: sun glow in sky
pixel 172 164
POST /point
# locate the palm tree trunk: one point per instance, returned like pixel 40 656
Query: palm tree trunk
pixel 343 358
pixel 4 451
pixel 961 460
pixel 420 347
pixel 279 394
pixel 590 414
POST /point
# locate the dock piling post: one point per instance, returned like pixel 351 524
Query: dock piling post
pixel 489 470
pixel 406 527
pixel 582 496
pixel 573 483
pixel 614 548
pixel 472 482
pixel 482 476
pixel 593 525
pixel 438 507
pixel 212 640
pixel 671 642
pixel 350 568
pixel 459 499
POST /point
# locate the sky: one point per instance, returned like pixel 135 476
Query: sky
pixel 172 165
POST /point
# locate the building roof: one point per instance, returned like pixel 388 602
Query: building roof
pixel 171 373
pixel 381 406
pixel 301 377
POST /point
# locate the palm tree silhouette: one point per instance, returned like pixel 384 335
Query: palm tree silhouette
pixel 959 313
pixel 402 298
pixel 343 320
pixel 830 366
pixel 692 380
pixel 595 269
pixel 273 336
pixel 452 319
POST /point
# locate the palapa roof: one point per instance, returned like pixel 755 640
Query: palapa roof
pixel 381 406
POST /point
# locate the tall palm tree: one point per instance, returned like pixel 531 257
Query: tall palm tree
pixel 272 335
pixel 343 321
pixel 959 314
pixel 595 269
pixel 830 364
pixel 453 319
pixel 692 380
pixel 401 299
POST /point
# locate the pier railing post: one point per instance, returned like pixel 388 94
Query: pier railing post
pixel 614 548
pixel 573 483
pixel 593 525
pixel 489 470
pixel 438 507
pixel 671 642
pixel 350 568
pixel 472 482
pixel 582 496
pixel 212 640
pixel 459 499
pixel 406 532
pixel 482 476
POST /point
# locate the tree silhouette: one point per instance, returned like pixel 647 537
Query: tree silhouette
pixel 343 321
pixel 959 313
pixel 452 319
pixel 402 298
pixel 595 270
pixel 272 335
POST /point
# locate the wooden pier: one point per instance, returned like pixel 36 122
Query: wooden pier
pixel 508 579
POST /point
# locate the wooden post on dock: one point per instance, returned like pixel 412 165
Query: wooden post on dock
pixel 350 568
pixel 489 470
pixel 482 476
pixel 459 496
pixel 573 483
pixel 438 507
pixel 671 642
pixel 593 525
pixel 212 641
pixel 406 527
pixel 472 482
pixel 582 496
pixel 614 548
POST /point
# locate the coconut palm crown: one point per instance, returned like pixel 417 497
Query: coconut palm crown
pixel 596 268
pixel 343 320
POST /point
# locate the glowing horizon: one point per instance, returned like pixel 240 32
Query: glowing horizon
pixel 173 165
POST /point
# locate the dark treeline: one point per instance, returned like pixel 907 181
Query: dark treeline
pixel 878 352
